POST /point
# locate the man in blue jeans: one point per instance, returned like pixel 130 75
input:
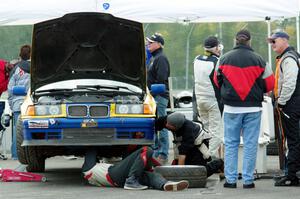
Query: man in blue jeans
pixel 243 77
pixel 158 73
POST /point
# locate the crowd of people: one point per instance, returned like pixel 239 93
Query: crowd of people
pixel 229 91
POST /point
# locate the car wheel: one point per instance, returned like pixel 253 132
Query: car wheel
pixel 196 175
pixel 20 150
pixel 36 162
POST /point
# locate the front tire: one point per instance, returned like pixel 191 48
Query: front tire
pixel 36 161
pixel 29 155
pixel 21 151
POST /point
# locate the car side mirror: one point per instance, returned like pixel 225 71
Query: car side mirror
pixel 157 89
pixel 19 90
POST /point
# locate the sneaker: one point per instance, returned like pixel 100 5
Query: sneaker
pixel 287 181
pixel 229 185
pixel 176 186
pixel 249 186
pixel 132 183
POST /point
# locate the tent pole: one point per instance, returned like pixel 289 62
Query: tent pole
pixel 146 27
pixel 268 20
pixel 187 57
pixel 297 32
pixel 220 32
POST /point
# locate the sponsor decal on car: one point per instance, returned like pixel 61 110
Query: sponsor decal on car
pixel 38 124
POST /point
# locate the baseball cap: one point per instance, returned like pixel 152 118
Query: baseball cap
pixel 157 37
pixel 243 35
pixel 211 42
pixel 279 34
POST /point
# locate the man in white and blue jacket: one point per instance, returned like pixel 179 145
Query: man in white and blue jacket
pixel 20 77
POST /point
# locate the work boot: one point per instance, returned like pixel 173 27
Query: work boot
pixel 176 186
pixel 249 186
pixel 132 183
pixel 229 185
pixel 287 181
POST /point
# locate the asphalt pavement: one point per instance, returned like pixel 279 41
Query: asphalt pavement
pixel 64 181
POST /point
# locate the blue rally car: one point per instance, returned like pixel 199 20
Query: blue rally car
pixel 88 88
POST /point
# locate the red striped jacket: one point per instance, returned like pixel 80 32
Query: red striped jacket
pixel 243 77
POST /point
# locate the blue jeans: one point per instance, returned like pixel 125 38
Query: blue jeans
pixel 235 125
pixel 161 140
pixel 14 154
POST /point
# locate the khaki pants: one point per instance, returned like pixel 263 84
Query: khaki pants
pixel 211 117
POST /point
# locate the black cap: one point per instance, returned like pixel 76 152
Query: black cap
pixel 243 35
pixel 211 42
pixel 156 38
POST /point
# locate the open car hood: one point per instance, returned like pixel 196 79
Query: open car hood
pixel 88 46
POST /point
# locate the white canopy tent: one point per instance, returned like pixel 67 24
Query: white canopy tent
pixel 17 12
pixel 21 12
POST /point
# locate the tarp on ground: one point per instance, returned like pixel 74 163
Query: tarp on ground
pixel 20 12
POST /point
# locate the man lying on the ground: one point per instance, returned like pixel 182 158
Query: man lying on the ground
pixel 133 173
pixel 192 142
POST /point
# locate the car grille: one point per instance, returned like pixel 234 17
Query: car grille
pixel 89 134
pixel 88 111
pixel 98 111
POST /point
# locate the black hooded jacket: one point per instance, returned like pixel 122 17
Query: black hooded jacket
pixel 187 135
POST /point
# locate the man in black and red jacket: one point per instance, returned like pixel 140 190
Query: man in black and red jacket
pixel 243 78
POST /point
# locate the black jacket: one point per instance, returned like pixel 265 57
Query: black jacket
pixel 240 77
pixel 187 134
pixel 159 71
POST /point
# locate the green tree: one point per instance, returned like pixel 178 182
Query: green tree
pixel 12 38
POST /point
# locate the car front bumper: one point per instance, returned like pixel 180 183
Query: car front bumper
pixel 88 132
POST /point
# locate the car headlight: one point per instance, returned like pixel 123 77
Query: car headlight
pixel 122 109
pixel 41 110
pixel 54 110
pixel 129 108
pixel 137 108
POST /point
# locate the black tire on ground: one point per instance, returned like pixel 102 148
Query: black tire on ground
pixel 196 175
pixel 20 150
pixel 36 161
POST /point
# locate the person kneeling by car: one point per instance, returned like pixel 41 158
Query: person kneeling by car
pixel 133 173
pixel 192 142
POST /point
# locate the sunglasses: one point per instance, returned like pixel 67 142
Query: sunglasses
pixel 273 41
